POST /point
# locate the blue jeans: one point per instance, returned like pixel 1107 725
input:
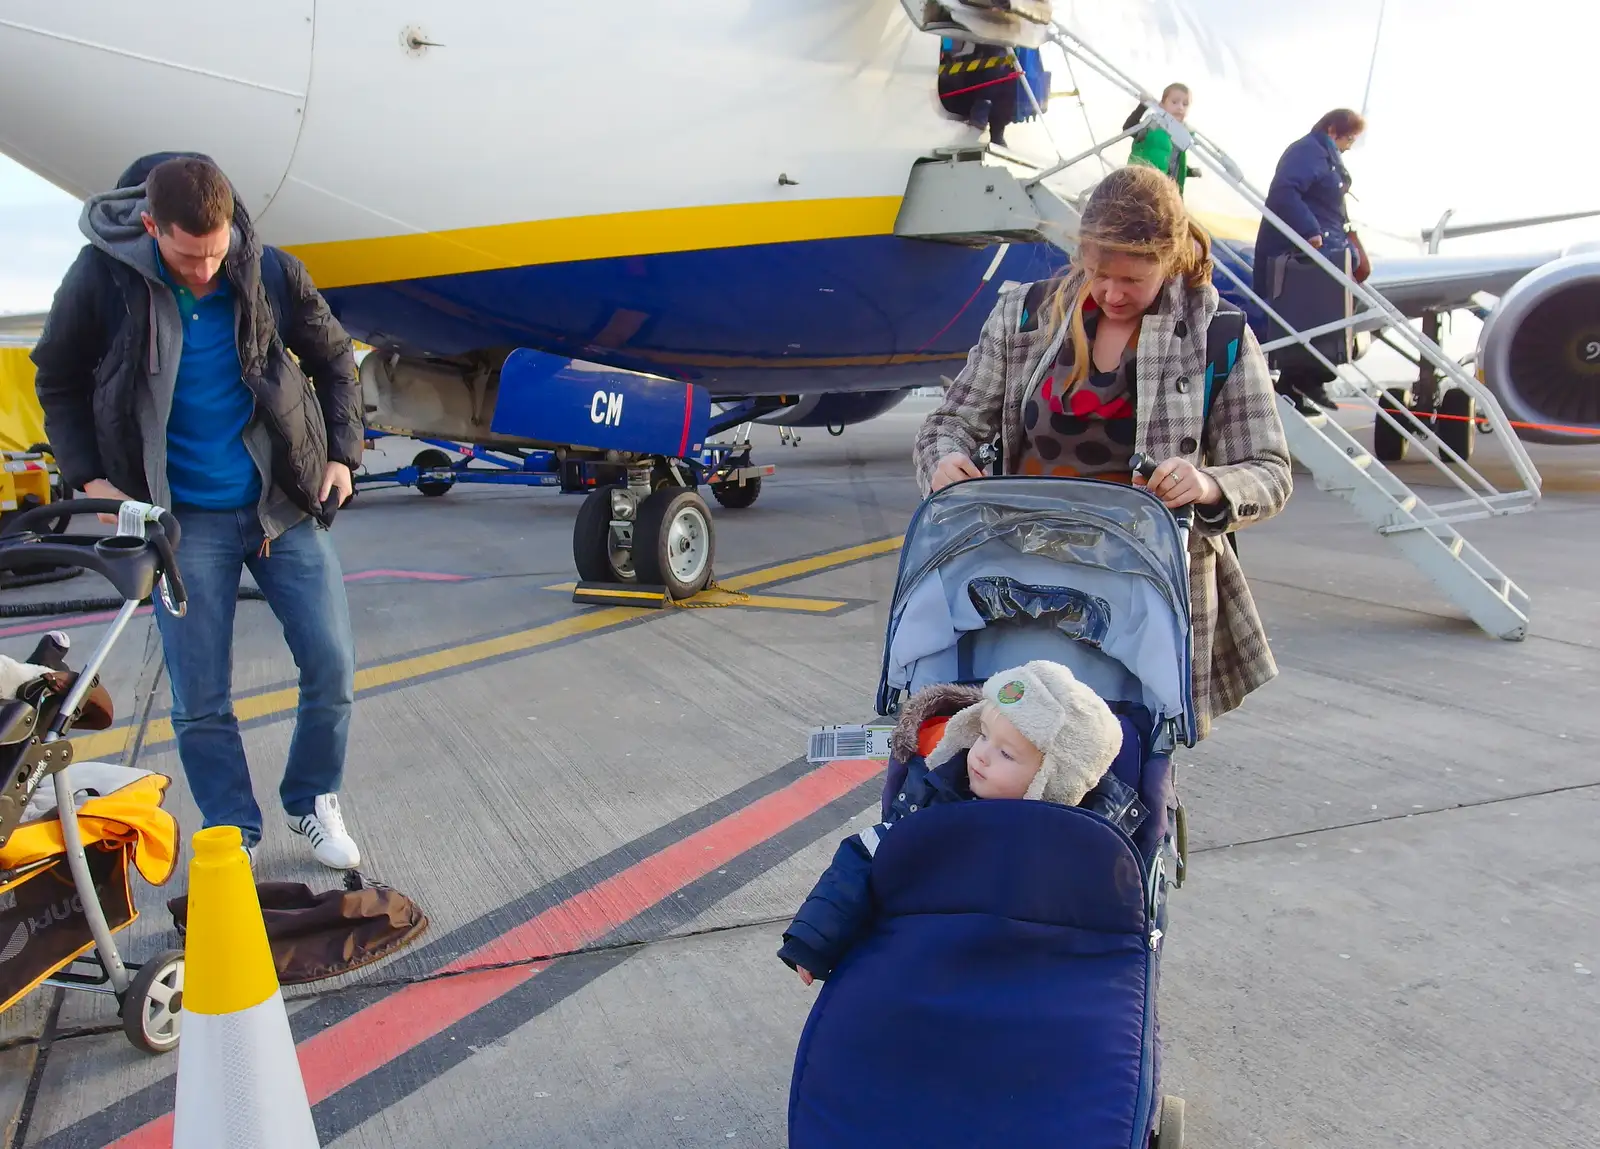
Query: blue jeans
pixel 303 584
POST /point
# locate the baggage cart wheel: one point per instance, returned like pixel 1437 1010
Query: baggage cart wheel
pixel 736 497
pixel 1169 1134
pixel 672 542
pixel 1459 428
pixel 594 551
pixel 1387 443
pixel 428 460
pixel 152 1009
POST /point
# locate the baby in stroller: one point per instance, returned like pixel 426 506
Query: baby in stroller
pixel 1032 732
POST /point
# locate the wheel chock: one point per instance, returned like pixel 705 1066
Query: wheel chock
pixel 622 594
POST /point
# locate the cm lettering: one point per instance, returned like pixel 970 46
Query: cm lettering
pixel 606 408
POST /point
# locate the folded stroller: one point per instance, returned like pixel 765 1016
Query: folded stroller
pixel 67 849
pixel 1006 993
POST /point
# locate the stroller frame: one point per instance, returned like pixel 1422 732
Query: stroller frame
pixel 138 560
pixel 1123 642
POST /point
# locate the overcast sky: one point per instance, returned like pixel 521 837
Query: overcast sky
pixel 1480 111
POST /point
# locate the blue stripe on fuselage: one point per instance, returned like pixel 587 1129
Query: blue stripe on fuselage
pixel 779 318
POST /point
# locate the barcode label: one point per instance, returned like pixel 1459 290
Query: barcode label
pixel 833 743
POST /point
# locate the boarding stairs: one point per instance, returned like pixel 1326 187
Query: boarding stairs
pixel 957 196
pixel 1010 23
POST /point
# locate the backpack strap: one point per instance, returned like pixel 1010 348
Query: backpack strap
pixel 1223 338
pixel 1033 303
pixel 276 280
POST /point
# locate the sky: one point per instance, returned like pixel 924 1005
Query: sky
pixel 1471 111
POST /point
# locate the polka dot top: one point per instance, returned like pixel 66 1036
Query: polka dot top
pixel 1087 432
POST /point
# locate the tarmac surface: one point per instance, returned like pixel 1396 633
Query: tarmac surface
pixel 1388 937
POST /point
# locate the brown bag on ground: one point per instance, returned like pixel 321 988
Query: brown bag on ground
pixel 316 936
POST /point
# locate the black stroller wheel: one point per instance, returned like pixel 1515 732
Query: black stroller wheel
pixel 1169 1134
pixel 152 1009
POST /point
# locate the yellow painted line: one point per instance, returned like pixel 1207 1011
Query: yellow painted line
pixel 765 602
pixel 769 575
pixel 109 744
pixel 345 263
pixel 722 597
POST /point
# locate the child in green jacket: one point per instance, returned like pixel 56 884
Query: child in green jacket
pixel 1153 146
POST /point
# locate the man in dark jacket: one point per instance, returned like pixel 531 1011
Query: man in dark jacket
pixel 164 376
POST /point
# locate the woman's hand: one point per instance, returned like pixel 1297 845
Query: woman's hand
pixel 1314 240
pixel 805 974
pixel 1178 483
pixel 953 468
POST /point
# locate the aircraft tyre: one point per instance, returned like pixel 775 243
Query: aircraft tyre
pixel 594 552
pixel 737 497
pixel 1458 427
pixel 673 542
pixel 1387 443
pixel 426 460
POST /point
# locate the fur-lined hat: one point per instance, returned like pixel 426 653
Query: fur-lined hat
pixel 1068 722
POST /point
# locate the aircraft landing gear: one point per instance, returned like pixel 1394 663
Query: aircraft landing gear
pixel 646 532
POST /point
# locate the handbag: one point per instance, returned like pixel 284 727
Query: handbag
pixel 1363 268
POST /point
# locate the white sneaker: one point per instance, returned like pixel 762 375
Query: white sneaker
pixel 331 843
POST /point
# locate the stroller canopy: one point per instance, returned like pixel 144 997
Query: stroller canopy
pixel 1093 575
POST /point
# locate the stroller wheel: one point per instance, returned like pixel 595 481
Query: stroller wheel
pixel 1169 1134
pixel 152 1011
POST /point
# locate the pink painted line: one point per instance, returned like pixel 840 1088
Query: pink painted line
pixel 70 622
pixel 66 623
pixel 415 576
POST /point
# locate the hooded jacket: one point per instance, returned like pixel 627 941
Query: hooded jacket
pixel 107 364
pixel 839 912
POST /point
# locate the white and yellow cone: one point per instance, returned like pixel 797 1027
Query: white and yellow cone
pixel 239 1083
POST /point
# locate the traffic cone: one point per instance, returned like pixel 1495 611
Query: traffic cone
pixel 239 1083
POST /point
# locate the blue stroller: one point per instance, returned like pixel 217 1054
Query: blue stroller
pixel 1006 993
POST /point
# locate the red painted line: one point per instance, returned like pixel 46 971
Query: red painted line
pixel 366 1041
pixel 688 415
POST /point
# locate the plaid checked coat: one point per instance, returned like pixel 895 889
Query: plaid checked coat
pixel 1242 446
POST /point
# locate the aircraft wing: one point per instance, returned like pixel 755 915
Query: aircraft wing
pixel 22 327
pixel 1421 283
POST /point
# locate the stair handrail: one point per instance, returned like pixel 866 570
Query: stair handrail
pixel 1074 45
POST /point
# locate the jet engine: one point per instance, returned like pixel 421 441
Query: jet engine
pixel 1540 351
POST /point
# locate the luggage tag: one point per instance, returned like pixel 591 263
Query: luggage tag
pixel 848 743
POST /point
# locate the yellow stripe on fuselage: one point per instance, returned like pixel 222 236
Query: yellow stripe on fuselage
pixel 346 263
pixel 390 259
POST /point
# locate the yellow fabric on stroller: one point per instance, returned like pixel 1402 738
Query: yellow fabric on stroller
pixel 42 926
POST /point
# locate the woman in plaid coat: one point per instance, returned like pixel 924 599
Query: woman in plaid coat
pixel 1116 364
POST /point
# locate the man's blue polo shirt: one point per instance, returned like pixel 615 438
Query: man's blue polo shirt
pixel 208 465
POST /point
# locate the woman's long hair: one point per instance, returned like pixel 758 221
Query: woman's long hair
pixel 1134 211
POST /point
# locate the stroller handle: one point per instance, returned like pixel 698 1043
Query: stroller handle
pixel 132 563
pixel 1142 464
pixel 69 508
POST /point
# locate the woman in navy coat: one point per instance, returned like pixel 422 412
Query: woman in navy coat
pixel 1307 193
